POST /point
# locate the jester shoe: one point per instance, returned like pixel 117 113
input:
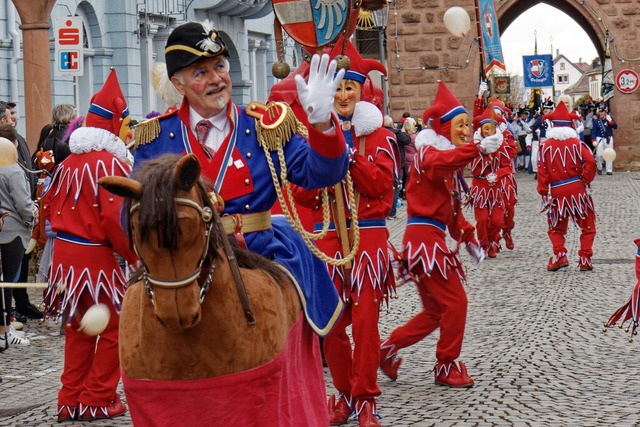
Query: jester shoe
pixel 338 412
pixel 368 416
pixel 585 264
pixel 389 362
pixel 90 413
pixel 493 250
pixel 508 241
pixel 557 262
pixel 452 375
pixel 67 413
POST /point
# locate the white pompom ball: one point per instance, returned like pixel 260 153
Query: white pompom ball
pixel 457 21
pixel 95 320
pixel 609 154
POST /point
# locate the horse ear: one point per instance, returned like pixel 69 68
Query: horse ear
pixel 121 186
pixel 187 172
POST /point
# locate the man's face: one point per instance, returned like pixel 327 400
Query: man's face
pixel 7 118
pixel 206 84
pixel 14 116
pixel 602 115
pixel 546 111
pixel 488 129
pixel 347 95
pixel 460 132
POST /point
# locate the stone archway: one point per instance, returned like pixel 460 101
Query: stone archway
pixel 427 53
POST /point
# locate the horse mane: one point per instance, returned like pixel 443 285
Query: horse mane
pixel 157 207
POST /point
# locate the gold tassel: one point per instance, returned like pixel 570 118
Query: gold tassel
pixel 147 131
pixel 273 138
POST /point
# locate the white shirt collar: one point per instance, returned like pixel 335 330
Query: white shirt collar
pixel 218 121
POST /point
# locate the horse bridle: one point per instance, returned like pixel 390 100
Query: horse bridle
pixel 206 213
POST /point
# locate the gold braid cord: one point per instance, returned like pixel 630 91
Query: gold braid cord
pixel 273 139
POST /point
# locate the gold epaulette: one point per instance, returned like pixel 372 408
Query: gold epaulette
pixel 148 130
pixel 275 123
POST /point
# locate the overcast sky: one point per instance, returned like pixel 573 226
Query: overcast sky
pixel 549 22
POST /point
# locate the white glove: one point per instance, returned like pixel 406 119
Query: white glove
pixel 609 119
pixel 482 88
pixel 491 143
pixel 492 178
pixel 476 252
pixel 31 246
pixel 477 135
pixel 317 95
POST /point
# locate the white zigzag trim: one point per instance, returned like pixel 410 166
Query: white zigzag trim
pixel 67 180
pixel 428 261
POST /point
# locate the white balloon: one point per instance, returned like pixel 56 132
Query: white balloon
pixel 95 320
pixel 8 152
pixel 457 21
pixel 609 154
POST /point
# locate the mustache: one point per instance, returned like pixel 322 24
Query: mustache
pixel 215 88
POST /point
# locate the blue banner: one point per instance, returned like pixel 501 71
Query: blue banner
pixel 538 70
pixel 491 47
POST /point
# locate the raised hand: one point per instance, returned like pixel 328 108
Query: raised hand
pixel 317 94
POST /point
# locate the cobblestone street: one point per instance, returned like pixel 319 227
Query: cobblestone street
pixel 534 341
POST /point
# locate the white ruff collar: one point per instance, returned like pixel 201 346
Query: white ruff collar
pixel 429 137
pixel 561 133
pixel 87 139
pixel 366 119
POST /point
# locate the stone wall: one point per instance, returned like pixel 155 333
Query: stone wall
pixel 428 53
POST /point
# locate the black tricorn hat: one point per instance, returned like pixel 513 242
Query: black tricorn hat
pixel 190 43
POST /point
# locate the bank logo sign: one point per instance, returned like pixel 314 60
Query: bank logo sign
pixel 69 44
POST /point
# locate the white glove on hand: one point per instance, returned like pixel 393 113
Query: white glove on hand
pixel 609 119
pixel 317 95
pixel 482 88
pixel 491 143
pixel 31 246
pixel 476 252
pixel 492 178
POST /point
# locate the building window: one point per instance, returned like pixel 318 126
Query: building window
pixel 562 65
pixel 563 78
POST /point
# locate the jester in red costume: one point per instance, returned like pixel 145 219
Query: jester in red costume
pixel 507 177
pixel 435 194
pixel 565 170
pixel 489 171
pixel 84 269
pixel 630 311
pixel 369 279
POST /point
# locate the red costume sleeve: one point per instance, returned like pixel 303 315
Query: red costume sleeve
pixel 331 146
pixel 440 162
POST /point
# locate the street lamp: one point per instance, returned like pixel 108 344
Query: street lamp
pixel 380 19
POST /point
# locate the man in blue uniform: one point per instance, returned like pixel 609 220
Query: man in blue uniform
pixel 230 143
pixel 602 136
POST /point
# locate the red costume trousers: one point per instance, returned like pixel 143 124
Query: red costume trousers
pixel 509 213
pixel 356 372
pixel 488 223
pixel 445 306
pixel 91 364
pixel 587 236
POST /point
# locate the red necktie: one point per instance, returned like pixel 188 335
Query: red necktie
pixel 202 130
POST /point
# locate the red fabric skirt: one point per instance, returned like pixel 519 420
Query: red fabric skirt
pixel 287 391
